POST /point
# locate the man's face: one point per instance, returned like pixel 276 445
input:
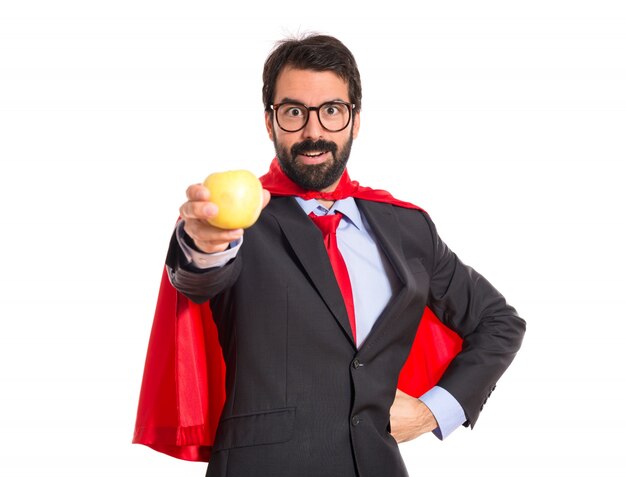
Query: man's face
pixel 314 158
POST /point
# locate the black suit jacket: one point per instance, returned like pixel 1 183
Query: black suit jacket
pixel 301 399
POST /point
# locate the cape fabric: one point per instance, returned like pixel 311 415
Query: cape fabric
pixel 183 387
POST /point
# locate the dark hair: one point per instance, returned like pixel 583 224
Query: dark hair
pixel 312 52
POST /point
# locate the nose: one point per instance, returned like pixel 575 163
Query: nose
pixel 313 128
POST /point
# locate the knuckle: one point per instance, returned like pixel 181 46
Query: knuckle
pixel 199 209
pixel 190 192
pixel 190 231
pixel 194 228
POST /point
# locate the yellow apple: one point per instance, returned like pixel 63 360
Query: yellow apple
pixel 238 196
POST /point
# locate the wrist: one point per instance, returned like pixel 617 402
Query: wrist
pixel 424 418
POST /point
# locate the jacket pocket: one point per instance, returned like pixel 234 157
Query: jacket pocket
pixel 267 427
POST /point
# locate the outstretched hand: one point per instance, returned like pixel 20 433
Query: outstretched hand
pixel 195 213
pixel 410 418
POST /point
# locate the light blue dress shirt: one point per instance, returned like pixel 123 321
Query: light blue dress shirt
pixel 373 284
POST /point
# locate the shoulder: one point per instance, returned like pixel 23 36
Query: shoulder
pixel 412 229
pixel 407 218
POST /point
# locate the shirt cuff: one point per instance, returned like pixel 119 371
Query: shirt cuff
pixel 446 409
pixel 203 260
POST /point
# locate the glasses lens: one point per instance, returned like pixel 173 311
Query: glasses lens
pixel 334 116
pixel 291 117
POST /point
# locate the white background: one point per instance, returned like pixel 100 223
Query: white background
pixel 505 120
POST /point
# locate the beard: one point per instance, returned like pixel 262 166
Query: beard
pixel 313 176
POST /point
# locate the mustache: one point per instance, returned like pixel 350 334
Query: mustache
pixel 311 146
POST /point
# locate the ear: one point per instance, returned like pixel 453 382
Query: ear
pixel 268 125
pixel 357 124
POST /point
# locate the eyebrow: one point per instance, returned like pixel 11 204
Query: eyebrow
pixel 292 100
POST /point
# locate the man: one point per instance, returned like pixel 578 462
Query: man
pixel 312 367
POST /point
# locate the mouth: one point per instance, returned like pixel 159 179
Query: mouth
pixel 314 157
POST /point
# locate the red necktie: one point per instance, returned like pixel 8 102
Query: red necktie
pixel 328 225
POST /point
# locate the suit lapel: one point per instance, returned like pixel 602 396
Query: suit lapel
pixel 386 230
pixel 384 225
pixel 306 242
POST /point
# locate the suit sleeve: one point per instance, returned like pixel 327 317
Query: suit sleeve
pixel 491 329
pixel 199 285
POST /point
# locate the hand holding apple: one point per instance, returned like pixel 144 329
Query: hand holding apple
pixel 238 196
pixel 204 207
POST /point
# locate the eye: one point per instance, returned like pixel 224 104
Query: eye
pixel 331 110
pixel 293 111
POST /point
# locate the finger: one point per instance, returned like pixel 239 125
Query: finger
pixel 210 239
pixel 197 192
pixel 215 243
pixel 203 232
pixel 191 210
pixel 266 197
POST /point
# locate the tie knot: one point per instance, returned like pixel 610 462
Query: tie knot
pixel 326 223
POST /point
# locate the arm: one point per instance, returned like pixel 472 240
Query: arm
pixel 199 260
pixel 198 284
pixel 491 329
pixel 210 245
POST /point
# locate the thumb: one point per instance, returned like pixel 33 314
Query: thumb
pixel 266 197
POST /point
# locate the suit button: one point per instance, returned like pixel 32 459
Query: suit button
pixel 356 364
pixel 356 420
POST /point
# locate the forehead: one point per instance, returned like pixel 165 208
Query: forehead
pixel 310 87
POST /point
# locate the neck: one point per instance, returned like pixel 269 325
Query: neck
pixel 326 203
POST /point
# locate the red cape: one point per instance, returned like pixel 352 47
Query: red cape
pixel 183 388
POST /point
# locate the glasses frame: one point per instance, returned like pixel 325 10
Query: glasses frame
pixel 351 106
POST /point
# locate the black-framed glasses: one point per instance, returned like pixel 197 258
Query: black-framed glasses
pixel 334 116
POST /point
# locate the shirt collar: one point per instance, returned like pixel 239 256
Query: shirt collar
pixel 346 206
